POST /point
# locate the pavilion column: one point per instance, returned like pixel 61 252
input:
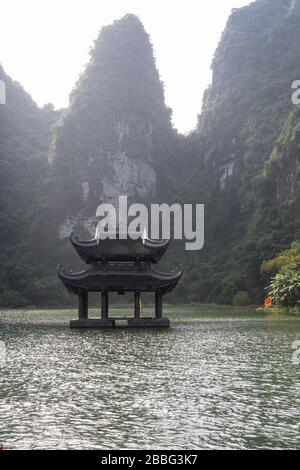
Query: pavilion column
pixel 137 304
pixel 104 304
pixel 82 304
pixel 158 304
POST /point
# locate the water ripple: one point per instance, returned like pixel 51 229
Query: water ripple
pixel 212 381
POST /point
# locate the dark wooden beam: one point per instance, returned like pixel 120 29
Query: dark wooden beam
pixel 104 304
pixel 83 304
pixel 158 304
pixel 137 304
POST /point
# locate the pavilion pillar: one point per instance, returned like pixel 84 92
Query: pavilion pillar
pixel 158 304
pixel 104 305
pixel 137 304
pixel 82 304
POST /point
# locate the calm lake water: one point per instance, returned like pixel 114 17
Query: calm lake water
pixel 216 379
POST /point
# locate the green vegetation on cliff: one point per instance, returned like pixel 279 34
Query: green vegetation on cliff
pixel 24 143
pixel 284 287
pixel 245 166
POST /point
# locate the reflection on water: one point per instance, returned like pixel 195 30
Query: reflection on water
pixel 214 380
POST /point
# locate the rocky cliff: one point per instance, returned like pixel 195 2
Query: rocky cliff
pixel 116 135
pixel 242 129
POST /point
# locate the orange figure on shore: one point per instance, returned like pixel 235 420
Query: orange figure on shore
pixel 268 302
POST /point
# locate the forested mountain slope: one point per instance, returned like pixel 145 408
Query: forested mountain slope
pixel 24 144
pixel 245 166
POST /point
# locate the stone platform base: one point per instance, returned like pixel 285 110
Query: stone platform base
pixel 120 323
pixel 148 323
pixel 91 323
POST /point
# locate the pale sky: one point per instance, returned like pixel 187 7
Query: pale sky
pixel 44 44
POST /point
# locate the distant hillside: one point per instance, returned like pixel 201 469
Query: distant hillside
pixel 24 143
